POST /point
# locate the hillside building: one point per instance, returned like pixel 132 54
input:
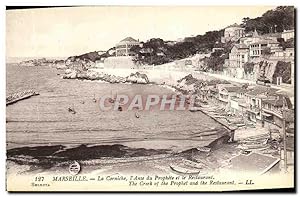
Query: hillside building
pixel 233 33
pixel 288 34
pixel 124 46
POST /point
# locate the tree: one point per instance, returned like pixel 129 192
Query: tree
pixel 290 43
pixel 245 21
pixel 215 63
pixel 277 20
pixel 266 51
pixel 248 67
pixel 283 69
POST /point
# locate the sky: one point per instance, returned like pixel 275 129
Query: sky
pixel 63 32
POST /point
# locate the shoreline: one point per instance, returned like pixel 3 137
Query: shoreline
pixel 223 148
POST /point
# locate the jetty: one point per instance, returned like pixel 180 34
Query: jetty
pixel 13 98
pixel 229 128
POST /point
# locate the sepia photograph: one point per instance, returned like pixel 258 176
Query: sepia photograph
pixel 150 98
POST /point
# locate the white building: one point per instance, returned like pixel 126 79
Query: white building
pixel 287 34
pixel 124 46
pixel 233 33
pixel 256 48
pixel 238 56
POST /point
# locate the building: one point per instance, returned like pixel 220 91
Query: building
pixel 233 33
pixel 225 93
pixel 217 49
pixel 272 109
pixel 101 52
pixel 247 40
pixel 256 49
pixel 238 56
pixel 287 34
pixel 257 43
pixel 99 64
pixel 238 104
pixel 279 54
pixel 124 46
pixel 270 36
pixel 254 102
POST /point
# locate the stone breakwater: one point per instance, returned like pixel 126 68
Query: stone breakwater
pixel 136 77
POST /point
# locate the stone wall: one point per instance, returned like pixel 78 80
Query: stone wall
pixel 125 62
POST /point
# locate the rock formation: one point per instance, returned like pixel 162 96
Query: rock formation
pixel 93 75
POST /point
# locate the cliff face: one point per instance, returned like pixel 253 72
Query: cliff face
pixel 264 68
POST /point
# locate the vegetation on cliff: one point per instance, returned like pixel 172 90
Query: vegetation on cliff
pixel 248 67
pixel 160 51
pixel 283 69
pixel 277 20
pixel 290 43
pixel 157 51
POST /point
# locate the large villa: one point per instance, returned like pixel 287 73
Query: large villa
pixel 124 46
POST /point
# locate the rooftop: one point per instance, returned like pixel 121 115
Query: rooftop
pixel 241 46
pixel 274 102
pixel 266 41
pixel 234 89
pixel 276 35
pixel 280 101
pixel 288 31
pixel 257 90
pixel 128 40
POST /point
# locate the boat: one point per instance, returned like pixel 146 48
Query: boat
pixel 137 115
pixel 240 125
pixel 94 99
pixel 71 110
pixel 195 109
pixel 193 164
pixel 204 149
pixel 182 170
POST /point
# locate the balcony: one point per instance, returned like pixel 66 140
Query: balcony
pixel 273 112
pixel 253 108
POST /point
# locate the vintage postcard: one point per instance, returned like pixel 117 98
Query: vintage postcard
pixel 150 98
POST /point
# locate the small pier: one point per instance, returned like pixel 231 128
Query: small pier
pixel 13 98
pixel 229 128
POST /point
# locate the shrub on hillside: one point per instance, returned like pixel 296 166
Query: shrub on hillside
pixel 283 69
